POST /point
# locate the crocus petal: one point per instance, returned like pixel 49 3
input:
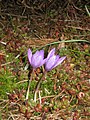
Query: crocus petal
pixel 36 54
pixel 42 62
pixel 60 60
pixel 51 53
pixel 36 61
pixel 50 62
pixel 41 53
pixel 29 55
pixel 57 58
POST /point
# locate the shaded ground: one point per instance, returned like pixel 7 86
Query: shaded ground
pixel 66 89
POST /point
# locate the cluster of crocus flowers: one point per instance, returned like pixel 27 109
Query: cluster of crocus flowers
pixel 37 60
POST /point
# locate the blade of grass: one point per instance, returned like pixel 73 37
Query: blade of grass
pixel 65 41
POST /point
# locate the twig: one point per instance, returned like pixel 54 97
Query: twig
pixel 24 3
pixel 21 81
pixel 11 116
pixel 87 10
pixel 24 11
pixel 50 96
pixel 80 28
pixel 5 105
pixel 58 94
pixel 3 43
pixel 2 25
pixel 14 15
pixel 6 63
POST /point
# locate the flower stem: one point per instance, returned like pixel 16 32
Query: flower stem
pixel 29 82
pixel 37 86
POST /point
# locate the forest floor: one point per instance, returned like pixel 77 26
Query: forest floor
pixel 64 94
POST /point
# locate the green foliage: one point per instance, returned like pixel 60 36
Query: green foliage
pixel 7 81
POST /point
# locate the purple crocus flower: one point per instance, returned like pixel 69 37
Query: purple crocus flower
pixel 53 60
pixel 36 60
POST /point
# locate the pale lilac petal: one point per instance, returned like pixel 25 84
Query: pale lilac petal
pixel 51 53
pixel 50 62
pixel 60 60
pixel 42 62
pixel 36 54
pixel 29 55
pixel 36 61
pixel 41 53
pixel 57 58
pixel 35 57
